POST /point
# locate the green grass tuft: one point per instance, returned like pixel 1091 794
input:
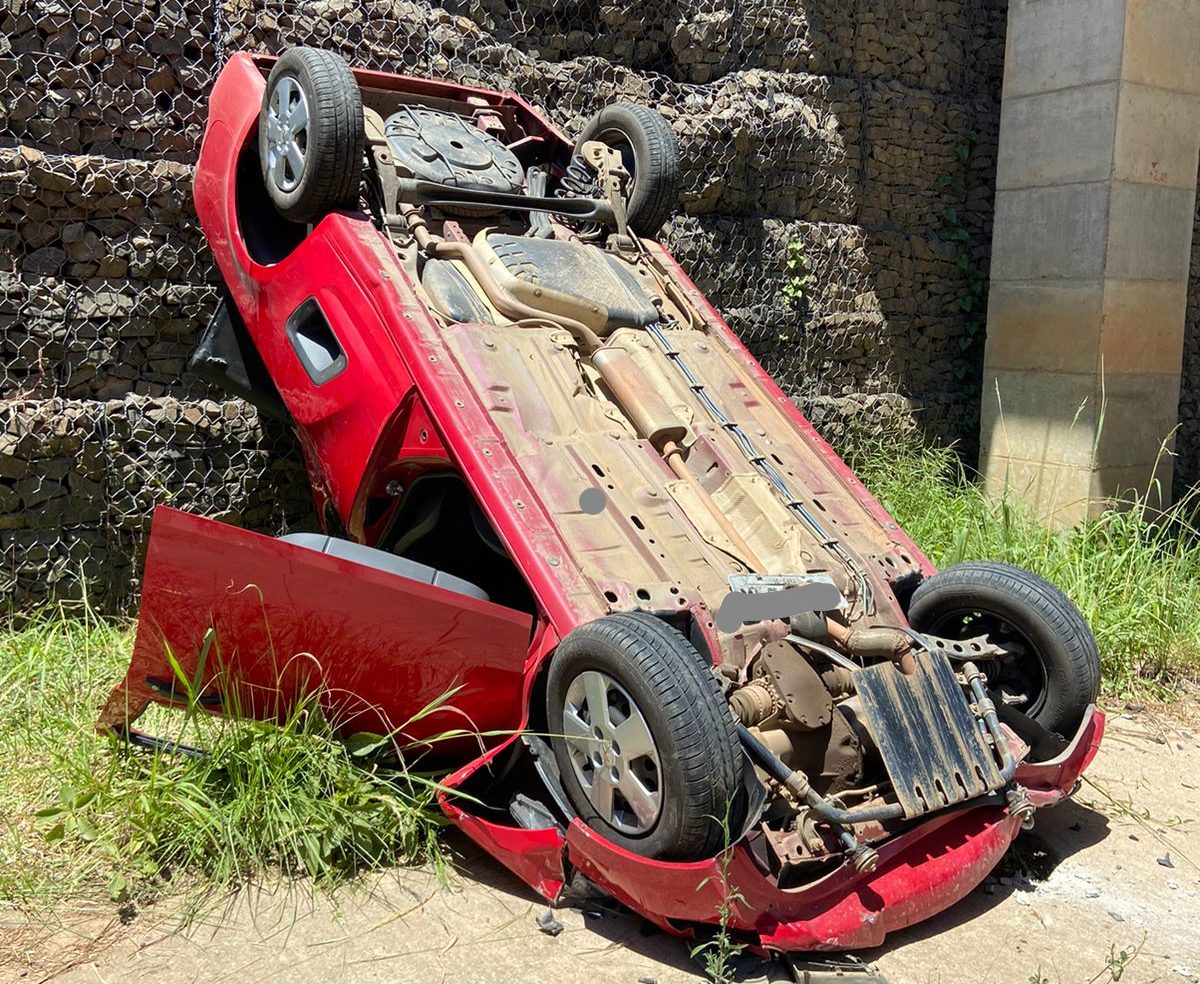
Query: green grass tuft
pixel 1135 577
pixel 86 813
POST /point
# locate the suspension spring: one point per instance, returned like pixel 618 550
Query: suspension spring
pixel 579 181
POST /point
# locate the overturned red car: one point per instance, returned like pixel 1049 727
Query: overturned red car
pixel 702 668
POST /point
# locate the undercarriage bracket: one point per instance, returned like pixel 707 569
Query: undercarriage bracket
pixel 831 969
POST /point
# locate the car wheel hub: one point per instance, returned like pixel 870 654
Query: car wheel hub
pixel 613 753
pixel 287 134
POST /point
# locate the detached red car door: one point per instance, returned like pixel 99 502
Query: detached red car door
pixel 257 622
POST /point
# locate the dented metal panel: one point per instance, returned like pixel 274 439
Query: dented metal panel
pixel 285 620
pixel 569 437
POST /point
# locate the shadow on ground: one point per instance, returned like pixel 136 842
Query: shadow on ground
pixel 606 919
pixel 1059 833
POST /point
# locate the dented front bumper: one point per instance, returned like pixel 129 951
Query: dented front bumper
pixel 921 871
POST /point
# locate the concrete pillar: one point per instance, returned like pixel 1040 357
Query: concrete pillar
pixel 1095 190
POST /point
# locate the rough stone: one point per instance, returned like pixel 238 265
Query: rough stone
pixel 851 129
pixel 1187 438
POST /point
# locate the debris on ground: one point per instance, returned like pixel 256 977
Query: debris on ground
pixel 548 923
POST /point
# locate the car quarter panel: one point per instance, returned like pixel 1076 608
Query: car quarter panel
pixel 341 419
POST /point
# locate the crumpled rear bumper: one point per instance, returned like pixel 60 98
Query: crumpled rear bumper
pixel 920 872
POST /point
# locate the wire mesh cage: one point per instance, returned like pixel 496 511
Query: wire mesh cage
pixel 836 163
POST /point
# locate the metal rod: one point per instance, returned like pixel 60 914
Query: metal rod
pixel 797 783
pixel 417 192
pixel 830 654
pixel 139 739
pixel 975 680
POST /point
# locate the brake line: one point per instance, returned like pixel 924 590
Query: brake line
pixel 866 592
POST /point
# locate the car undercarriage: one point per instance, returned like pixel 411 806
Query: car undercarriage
pixel 832 703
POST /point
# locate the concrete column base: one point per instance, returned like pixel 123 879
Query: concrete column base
pixel 1096 186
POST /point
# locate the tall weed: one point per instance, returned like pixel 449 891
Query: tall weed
pixel 1133 573
pixel 85 809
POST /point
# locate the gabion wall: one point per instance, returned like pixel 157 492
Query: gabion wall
pixel 861 132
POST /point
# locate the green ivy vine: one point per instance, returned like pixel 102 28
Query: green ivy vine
pixel 797 278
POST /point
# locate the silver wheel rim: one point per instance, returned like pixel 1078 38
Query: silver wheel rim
pixel 612 752
pixel 287 134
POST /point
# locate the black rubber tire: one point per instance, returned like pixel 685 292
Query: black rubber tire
pixel 693 729
pixel 333 163
pixel 1060 640
pixel 651 156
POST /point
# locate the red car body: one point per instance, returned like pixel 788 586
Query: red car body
pixel 390 647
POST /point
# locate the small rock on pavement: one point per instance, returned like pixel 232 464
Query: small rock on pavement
pixel 549 924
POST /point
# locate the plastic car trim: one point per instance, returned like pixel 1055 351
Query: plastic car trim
pixel 315 342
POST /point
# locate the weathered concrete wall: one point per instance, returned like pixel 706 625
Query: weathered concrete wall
pixel 863 131
pixel 1096 190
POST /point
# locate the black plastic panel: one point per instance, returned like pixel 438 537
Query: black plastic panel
pixel 927 736
pixel 315 343
pixel 226 357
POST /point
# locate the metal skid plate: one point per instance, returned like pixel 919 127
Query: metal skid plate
pixel 926 734
pixel 578 271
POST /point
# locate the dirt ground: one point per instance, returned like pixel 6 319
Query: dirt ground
pixel 1115 869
